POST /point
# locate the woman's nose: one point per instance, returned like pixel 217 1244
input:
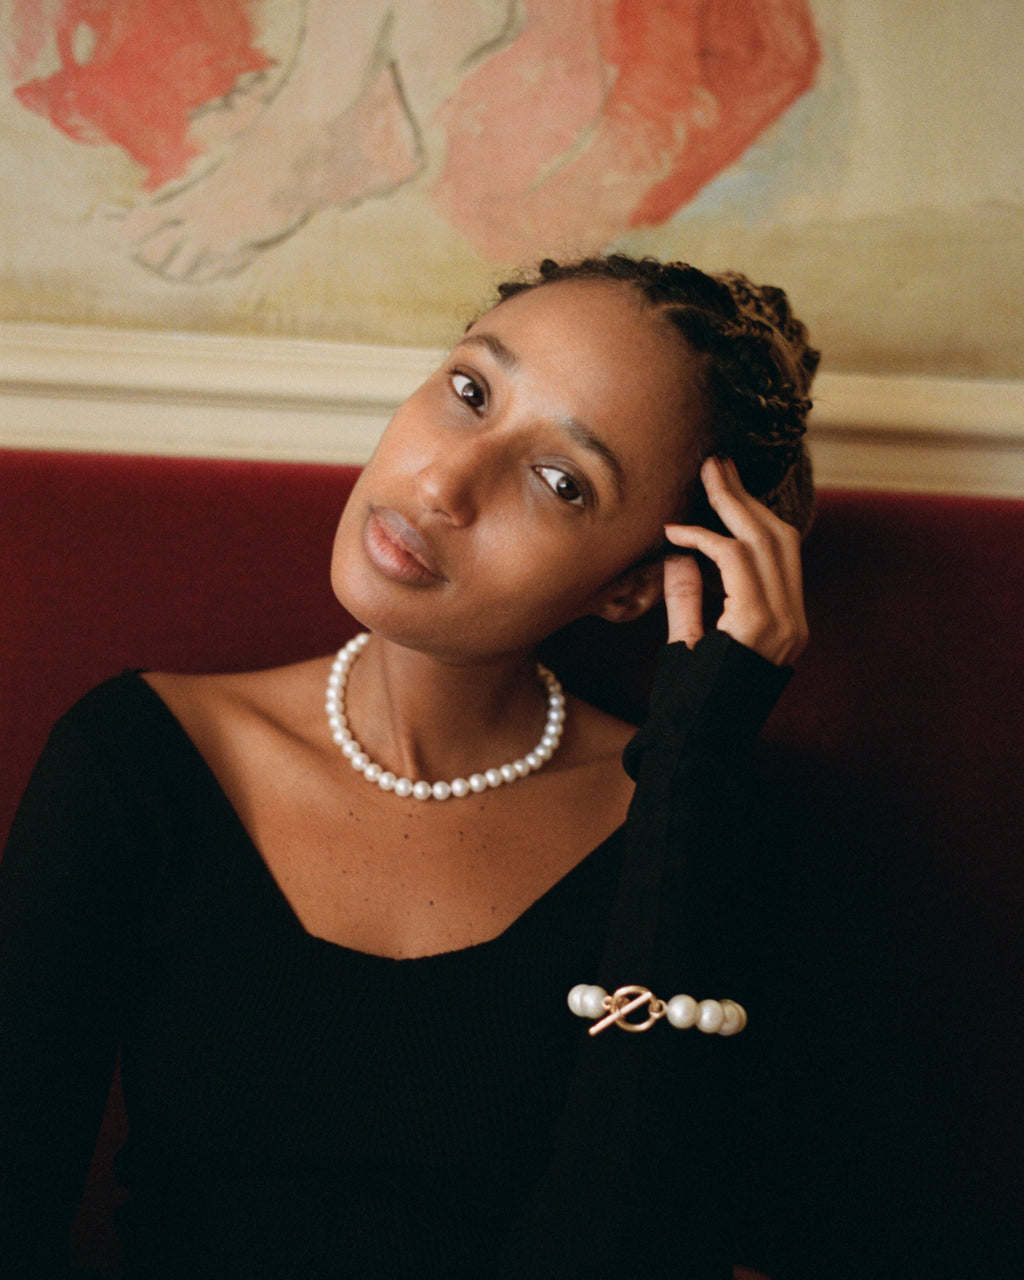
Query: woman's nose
pixel 450 484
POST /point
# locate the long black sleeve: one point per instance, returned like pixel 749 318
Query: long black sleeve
pixel 63 886
pixel 634 1186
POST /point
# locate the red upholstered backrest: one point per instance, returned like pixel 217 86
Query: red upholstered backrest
pixel 911 688
pixel 167 564
pixel 913 682
pixel 912 693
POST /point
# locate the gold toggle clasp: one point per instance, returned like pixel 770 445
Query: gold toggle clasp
pixel 626 1001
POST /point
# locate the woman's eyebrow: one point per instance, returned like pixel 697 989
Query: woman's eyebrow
pixel 505 356
pixel 578 430
pixel 583 435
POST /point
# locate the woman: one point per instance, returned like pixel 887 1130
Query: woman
pixel 341 1008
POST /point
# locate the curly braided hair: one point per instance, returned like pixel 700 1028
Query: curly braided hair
pixel 755 366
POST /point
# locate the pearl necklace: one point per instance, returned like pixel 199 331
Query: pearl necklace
pixel 477 782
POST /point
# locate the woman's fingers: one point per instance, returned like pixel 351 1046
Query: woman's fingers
pixel 759 566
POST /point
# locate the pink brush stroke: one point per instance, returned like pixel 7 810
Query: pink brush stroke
pixel 674 93
pixel 152 64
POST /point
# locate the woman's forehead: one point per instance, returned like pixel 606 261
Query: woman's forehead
pixel 593 330
pixel 575 300
pixel 594 341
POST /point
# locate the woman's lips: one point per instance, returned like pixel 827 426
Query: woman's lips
pixel 397 549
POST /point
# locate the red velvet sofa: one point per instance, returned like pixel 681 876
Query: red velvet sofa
pixel 911 694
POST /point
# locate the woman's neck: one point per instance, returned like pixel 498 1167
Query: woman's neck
pixel 432 720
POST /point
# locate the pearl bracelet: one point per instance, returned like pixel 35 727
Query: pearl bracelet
pixel 713 1017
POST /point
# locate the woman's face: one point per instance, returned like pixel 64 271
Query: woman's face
pixel 513 490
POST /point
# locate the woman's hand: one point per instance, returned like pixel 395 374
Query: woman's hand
pixel 760 569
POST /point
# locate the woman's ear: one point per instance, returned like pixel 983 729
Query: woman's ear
pixel 633 594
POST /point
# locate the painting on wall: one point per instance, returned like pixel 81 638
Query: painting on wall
pixel 567 120
pixel 357 168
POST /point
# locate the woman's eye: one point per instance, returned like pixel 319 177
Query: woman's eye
pixel 468 390
pixel 562 484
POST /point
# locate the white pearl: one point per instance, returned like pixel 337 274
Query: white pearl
pixel 341 736
pixel 533 759
pixel 421 790
pixel 508 773
pixel 477 782
pixel 403 787
pixel 350 748
pixel 460 787
pixel 372 772
pixel 711 1017
pixel 521 768
pixel 387 781
pixel 735 1018
pixel 591 1001
pixel 575 996
pixel 681 1012
pixel 441 790
pixel 494 778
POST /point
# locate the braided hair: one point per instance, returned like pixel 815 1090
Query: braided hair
pixel 754 365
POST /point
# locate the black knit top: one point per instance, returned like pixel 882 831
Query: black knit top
pixel 298 1108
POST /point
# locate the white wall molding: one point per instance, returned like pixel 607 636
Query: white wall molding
pixel 250 397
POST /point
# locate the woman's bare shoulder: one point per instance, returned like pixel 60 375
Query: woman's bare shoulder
pixel 287 697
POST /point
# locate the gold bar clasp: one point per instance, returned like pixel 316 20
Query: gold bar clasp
pixel 626 1001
